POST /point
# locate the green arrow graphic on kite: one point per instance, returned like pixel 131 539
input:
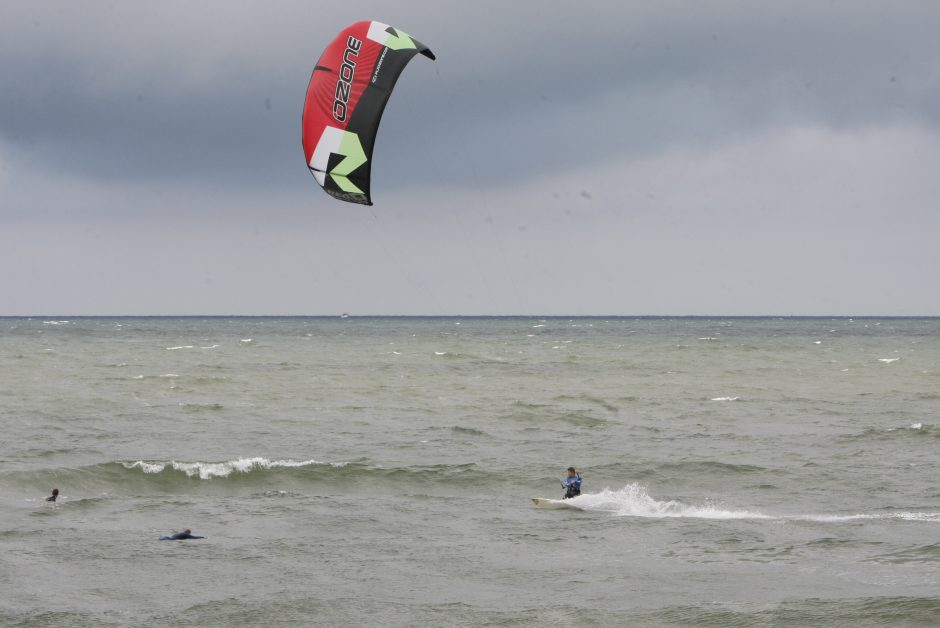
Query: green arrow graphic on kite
pixel 399 41
pixel 345 144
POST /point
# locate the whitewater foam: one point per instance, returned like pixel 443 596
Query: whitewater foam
pixel 209 470
pixel 831 518
pixel 634 500
pixel 933 517
pixel 915 516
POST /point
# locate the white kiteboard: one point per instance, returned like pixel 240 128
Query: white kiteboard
pixel 542 502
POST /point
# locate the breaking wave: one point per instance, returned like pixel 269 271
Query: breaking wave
pixel 209 470
pixel 162 476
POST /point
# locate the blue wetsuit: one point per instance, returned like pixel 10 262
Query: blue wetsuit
pixel 179 536
pixel 572 487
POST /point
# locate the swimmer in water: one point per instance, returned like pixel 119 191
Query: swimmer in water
pixel 52 498
pixel 181 536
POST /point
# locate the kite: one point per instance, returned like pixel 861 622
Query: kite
pixel 348 90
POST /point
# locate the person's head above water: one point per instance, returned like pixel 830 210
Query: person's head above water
pixel 572 472
pixel 55 491
pixel 188 531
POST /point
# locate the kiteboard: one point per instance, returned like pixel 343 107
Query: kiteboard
pixel 551 504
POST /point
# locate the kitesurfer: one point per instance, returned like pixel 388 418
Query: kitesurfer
pixel 52 498
pixel 180 536
pixel 572 484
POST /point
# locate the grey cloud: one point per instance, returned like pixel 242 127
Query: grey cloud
pixel 508 98
pixel 688 81
pixel 677 157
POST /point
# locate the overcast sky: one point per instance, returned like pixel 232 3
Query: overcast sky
pixel 765 158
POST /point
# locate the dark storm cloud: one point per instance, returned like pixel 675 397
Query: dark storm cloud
pixel 116 97
pixel 109 105
pixel 632 85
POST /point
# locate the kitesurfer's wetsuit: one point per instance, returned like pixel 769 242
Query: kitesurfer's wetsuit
pixel 572 486
pixel 179 536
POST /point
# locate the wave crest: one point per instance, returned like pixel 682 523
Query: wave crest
pixel 209 470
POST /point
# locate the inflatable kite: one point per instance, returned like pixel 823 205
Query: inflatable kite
pixel 348 90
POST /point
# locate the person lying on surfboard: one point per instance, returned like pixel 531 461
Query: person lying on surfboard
pixel 179 536
pixel 572 484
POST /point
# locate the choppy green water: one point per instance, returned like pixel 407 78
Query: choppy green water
pixel 378 471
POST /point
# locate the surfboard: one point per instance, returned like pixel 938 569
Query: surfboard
pixel 542 502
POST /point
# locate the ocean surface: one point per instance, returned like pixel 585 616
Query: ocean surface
pixel 378 471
